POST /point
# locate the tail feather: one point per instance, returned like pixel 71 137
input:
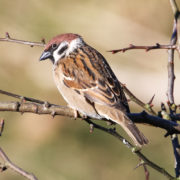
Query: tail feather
pixel 120 118
pixel 131 129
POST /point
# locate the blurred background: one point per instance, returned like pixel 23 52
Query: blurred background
pixel 62 148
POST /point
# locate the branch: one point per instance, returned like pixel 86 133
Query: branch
pixel 171 75
pixel 30 43
pixel 112 132
pixel 1 126
pixel 170 126
pixel 41 107
pixel 146 48
pixel 171 78
pixel 36 106
pixel 9 164
pixel 147 106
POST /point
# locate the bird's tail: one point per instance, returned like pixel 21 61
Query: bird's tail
pixel 121 118
pixel 131 129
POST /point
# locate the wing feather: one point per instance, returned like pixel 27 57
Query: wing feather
pixel 88 73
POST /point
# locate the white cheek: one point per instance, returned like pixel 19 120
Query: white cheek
pixel 76 43
pixel 56 55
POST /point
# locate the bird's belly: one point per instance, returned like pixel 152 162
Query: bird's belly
pixel 74 99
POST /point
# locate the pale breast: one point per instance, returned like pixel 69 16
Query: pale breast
pixel 74 98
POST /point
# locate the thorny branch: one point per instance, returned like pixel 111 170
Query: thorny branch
pixel 9 164
pixel 30 43
pixel 171 78
pixel 133 149
pixel 147 106
pixel 146 48
pixel 41 107
pixel 36 106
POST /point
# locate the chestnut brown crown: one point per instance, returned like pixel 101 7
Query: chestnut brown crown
pixel 60 46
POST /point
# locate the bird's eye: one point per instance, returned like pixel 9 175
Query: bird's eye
pixel 54 46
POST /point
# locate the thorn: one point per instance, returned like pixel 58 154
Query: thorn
pixel 53 113
pixel 43 41
pixel 139 164
pixel 113 51
pixel 158 45
pixel 163 107
pixel 46 104
pixel 151 100
pixel 167 134
pixel 31 45
pixel 131 45
pixel 2 168
pixel 1 126
pixel 7 35
pixel 91 126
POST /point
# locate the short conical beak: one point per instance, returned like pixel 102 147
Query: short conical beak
pixel 45 55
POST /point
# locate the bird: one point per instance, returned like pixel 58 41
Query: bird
pixel 87 83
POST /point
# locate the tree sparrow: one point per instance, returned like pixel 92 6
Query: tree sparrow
pixel 87 83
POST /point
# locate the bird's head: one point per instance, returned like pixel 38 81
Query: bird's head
pixel 61 46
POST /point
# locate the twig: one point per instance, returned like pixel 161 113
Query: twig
pixel 11 165
pixel 40 107
pixel 21 97
pixel 133 149
pixel 171 78
pixel 1 126
pixel 146 48
pixel 146 172
pixel 146 107
pixel 170 126
pixel 30 43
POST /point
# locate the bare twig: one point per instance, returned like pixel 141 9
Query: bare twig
pixel 171 78
pixel 11 165
pixel 40 107
pixel 21 97
pixel 146 48
pixel 36 106
pixel 1 126
pixel 29 43
pixel 146 107
pixel 144 118
pixel 146 172
pixel 133 149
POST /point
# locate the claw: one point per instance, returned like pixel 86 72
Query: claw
pixel 75 112
pixel 46 104
pixel 23 100
pixel 53 113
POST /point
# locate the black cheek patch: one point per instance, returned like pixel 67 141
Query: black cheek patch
pixel 62 49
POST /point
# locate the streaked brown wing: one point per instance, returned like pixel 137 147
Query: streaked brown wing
pixel 88 73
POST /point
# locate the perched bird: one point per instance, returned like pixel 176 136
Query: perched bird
pixel 87 83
